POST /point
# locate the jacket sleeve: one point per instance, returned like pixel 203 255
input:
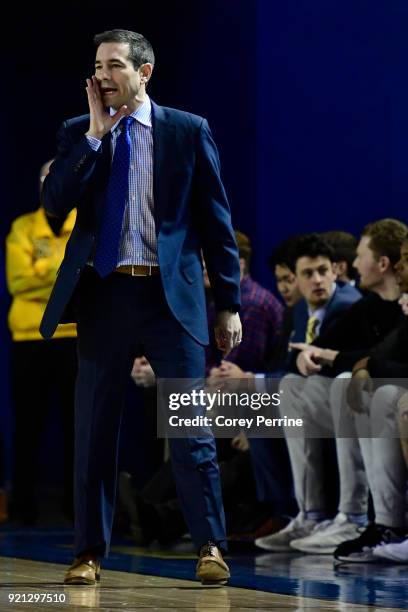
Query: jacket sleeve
pixel 217 236
pixel 70 172
pixel 389 359
pixel 345 360
pixel 340 334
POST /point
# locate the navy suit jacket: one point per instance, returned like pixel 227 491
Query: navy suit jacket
pixel 190 207
pixel 343 297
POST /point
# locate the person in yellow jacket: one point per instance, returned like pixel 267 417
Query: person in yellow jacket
pixel 43 371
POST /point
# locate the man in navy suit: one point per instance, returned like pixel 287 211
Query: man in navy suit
pixel 146 183
pixel 324 301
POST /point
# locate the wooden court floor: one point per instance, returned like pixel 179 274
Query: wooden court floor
pixel 22 582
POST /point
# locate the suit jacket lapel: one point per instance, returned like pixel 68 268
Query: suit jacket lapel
pixel 331 307
pixel 102 175
pixel 163 160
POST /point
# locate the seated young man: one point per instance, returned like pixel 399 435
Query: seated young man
pixel 376 422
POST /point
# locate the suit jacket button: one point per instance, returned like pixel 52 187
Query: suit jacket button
pixel 78 271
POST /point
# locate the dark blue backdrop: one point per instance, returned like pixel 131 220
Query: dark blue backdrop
pixel 307 100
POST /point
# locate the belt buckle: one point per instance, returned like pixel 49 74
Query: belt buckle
pixel 141 274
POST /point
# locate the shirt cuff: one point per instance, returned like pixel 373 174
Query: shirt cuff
pixel 93 142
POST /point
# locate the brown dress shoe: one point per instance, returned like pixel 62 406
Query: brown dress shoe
pixel 211 567
pixel 83 571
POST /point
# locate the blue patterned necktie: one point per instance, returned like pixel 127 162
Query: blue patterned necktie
pixel 106 254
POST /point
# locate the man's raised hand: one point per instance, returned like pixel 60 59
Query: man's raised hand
pixel 101 122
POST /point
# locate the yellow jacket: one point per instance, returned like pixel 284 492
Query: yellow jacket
pixel 33 256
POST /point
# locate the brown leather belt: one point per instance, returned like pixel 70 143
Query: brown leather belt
pixel 139 270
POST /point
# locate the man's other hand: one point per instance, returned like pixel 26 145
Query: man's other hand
pixel 307 362
pixel 240 442
pixel 142 373
pixel 227 330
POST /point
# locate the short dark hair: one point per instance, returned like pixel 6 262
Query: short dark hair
pixel 283 254
pixel 313 245
pixel 244 248
pixel 344 245
pixel 386 237
pixel 140 50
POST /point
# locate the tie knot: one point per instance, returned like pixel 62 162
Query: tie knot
pixel 126 122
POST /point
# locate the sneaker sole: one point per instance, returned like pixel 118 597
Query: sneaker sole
pixel 356 559
pixel 276 548
pixel 390 559
pixel 318 550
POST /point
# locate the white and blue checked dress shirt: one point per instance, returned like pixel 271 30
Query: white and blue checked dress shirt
pixel 138 243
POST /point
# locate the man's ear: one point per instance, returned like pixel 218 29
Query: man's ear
pixel 145 72
pixel 384 263
pixel 341 267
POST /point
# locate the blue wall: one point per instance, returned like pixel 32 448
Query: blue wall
pixel 331 99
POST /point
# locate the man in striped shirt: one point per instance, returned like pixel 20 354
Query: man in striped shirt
pixel 146 183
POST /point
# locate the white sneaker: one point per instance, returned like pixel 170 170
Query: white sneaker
pixel 327 535
pixel 298 527
pixel 393 552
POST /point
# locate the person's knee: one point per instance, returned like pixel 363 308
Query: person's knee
pixel 384 398
pixel 383 410
pixel 291 385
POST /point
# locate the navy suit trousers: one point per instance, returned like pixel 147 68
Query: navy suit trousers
pixel 120 317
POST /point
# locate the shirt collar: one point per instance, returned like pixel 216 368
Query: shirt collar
pixel 143 114
pixel 317 314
